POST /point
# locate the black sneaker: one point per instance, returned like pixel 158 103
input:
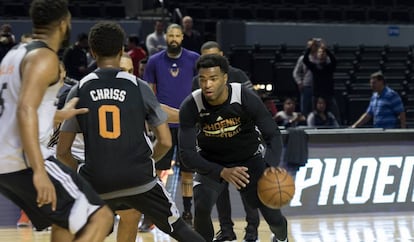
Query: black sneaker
pixel 225 236
pixel 188 218
pixel 251 234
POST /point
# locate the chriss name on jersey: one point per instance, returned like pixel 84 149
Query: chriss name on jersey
pixel 108 93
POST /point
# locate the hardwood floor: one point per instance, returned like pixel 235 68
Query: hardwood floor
pixel 331 228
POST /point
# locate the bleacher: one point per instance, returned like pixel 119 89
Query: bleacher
pixel 274 65
pixel 385 11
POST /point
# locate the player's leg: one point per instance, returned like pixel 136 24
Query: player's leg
pixel 99 226
pixel 161 166
pixel 75 209
pixel 59 234
pixel 276 221
pixel 187 193
pixel 274 218
pixel 80 210
pixel 252 219
pixel 161 209
pixel 206 192
pixel 223 206
pixel 186 181
pixel 128 225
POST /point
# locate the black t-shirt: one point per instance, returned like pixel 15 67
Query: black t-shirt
pixel 117 150
pixel 227 134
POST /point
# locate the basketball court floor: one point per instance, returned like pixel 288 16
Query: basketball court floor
pixel 355 227
pixel 332 228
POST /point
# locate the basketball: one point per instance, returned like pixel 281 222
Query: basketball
pixel 275 187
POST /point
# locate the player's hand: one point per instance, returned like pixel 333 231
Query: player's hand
pixel 46 193
pixel 273 169
pixel 69 110
pixel 237 176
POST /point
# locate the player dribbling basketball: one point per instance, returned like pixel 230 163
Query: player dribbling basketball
pixel 220 120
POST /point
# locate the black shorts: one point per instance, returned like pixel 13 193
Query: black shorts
pixel 156 204
pixel 256 166
pixel 165 162
pixel 76 200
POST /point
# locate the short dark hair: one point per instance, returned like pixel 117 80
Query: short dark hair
pixel 210 45
pixel 174 26
pixel 106 38
pixel 134 39
pixel 82 37
pixel 213 60
pixel 378 76
pixel 45 12
pixel 143 61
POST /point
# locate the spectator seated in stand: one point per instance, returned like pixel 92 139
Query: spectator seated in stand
pixel 320 117
pixel 288 117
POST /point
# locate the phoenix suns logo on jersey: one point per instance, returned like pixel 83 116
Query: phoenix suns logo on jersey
pixel 223 128
pixel 174 70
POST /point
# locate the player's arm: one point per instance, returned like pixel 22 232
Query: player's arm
pixel 163 142
pixel 64 149
pixel 67 135
pixel 39 69
pixel 68 111
pixel 156 119
pixel 187 142
pixel 172 113
pixel 267 126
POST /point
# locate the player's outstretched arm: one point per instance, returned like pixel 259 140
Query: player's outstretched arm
pixel 163 141
pixel 69 110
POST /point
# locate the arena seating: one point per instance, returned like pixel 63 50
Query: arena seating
pixel 365 11
pixel 274 64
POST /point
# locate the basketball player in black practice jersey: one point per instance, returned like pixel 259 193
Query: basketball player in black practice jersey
pixel 218 139
pixel 119 158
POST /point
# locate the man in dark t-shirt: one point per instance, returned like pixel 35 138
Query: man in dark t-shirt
pixel 218 138
pixel 223 204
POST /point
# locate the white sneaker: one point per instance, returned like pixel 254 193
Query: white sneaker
pixel 273 239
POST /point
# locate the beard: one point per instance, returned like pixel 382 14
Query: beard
pixel 174 50
pixel 66 41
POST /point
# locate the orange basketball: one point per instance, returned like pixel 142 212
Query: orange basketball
pixel 275 188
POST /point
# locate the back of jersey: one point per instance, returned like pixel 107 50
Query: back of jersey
pixel 117 150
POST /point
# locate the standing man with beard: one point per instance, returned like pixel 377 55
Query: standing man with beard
pixel 170 74
pixel 49 192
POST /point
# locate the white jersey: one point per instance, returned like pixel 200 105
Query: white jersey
pixel 12 156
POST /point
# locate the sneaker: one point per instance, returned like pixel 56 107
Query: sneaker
pixel 251 234
pixel 23 221
pixel 225 236
pixel 188 218
pixel 146 226
pixel 45 230
pixel 273 239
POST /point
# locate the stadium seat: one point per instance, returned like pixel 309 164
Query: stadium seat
pixel 219 12
pixel 241 57
pixel 284 85
pixel 262 69
pixel 356 106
